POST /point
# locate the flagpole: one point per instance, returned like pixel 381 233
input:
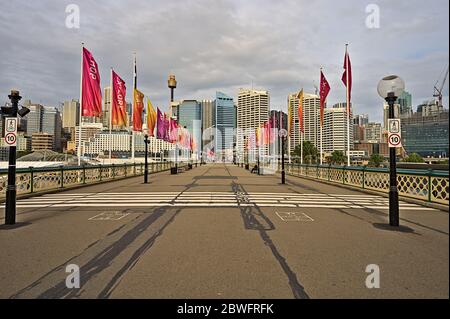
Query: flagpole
pixel 110 115
pixel 132 108
pixel 81 106
pixel 321 126
pixel 348 105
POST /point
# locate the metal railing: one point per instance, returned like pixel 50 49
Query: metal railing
pixel 427 185
pixel 36 180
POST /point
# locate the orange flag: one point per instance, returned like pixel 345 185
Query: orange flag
pixel 151 118
pixel 138 108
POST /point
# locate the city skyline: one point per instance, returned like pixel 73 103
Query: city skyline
pixel 221 56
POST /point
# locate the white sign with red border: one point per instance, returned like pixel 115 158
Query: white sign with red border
pixel 394 133
pixel 11 131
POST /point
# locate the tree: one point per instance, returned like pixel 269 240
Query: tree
pixel 310 152
pixel 337 158
pixel 376 160
pixel 413 158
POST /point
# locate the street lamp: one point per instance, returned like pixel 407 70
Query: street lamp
pixel 283 134
pixel 390 88
pixel 146 141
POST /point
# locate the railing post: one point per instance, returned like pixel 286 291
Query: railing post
pixel 31 180
pixel 62 176
pixel 317 172
pixel 364 177
pixel 101 172
pixel 142 169
pixel 329 172
pixel 84 173
pixel 134 169
pixel 113 171
pixel 343 175
pixel 126 170
pixel 430 172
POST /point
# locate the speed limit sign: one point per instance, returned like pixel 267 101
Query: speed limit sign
pixel 395 140
pixel 11 131
pixel 394 133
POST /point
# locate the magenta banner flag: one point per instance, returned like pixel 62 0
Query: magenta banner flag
pixel 91 93
pixel 160 126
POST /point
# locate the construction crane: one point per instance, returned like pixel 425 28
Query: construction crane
pixel 438 90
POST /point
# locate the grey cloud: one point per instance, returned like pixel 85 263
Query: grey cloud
pixel 223 45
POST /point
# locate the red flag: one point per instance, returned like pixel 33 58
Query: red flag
pixel 324 90
pixel 347 73
pixel 119 105
pixel 91 93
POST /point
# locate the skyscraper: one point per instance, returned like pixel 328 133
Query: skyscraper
pixel 34 119
pixel 335 129
pixel 70 114
pixel 405 103
pixel 293 104
pixel 311 119
pixel 225 123
pixel 188 113
pixel 252 112
pixel 208 122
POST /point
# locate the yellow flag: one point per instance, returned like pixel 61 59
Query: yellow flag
pixel 151 118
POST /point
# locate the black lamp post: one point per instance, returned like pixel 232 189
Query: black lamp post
pixel 10 206
pixel 390 88
pixel 283 133
pixel 146 141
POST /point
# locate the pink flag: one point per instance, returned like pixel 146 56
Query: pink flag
pixel 91 93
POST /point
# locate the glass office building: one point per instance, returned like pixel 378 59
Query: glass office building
pixel 426 135
pixel 189 115
pixel 225 124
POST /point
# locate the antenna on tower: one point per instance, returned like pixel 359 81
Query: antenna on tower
pixel 316 87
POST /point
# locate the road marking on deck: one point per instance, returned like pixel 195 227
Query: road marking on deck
pixel 294 217
pixel 213 199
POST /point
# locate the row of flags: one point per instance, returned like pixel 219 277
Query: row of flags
pixel 167 129
pixel 324 91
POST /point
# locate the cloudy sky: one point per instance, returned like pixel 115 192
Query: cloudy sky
pixel 224 45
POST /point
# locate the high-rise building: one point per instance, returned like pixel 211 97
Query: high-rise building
pixel 280 122
pixel 311 119
pixel 373 133
pixel 361 119
pixel 70 114
pixel 293 105
pixel 426 135
pixel 51 124
pixel 386 114
pixel 189 115
pixel 429 108
pixel 208 122
pixel 335 129
pixel 405 103
pixel 34 118
pixel 252 112
pixel 225 126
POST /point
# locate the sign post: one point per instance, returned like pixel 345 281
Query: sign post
pixel 283 134
pixel 11 140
